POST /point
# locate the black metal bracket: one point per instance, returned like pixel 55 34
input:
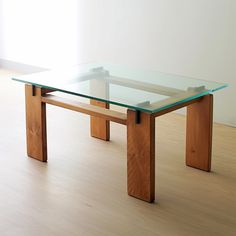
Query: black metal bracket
pixel 33 90
pixel 137 117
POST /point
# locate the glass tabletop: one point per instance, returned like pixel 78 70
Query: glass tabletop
pixel 138 89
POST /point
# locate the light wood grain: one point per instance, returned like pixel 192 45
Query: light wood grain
pixel 93 110
pixel 141 156
pixel 199 133
pixel 35 124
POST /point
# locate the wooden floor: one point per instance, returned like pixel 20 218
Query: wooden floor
pixel 82 188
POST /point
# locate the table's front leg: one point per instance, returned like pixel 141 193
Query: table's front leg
pixel 199 133
pixel 35 123
pixel 141 156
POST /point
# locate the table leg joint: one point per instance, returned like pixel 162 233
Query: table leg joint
pixel 137 117
pixel 33 90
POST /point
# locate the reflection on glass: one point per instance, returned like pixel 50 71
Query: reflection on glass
pixel 148 91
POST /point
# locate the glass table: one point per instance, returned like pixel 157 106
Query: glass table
pixel 145 94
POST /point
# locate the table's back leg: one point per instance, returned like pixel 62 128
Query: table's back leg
pixel 199 133
pixel 99 127
pixel 35 123
pixel 141 156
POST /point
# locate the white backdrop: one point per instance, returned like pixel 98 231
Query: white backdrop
pixel 196 38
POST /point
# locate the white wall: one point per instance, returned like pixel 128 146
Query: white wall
pixel 190 37
pixel 41 33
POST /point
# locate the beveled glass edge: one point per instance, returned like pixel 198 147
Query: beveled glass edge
pixel 125 105
pixel 219 88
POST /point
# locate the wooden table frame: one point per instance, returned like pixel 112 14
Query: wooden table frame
pixel 140 134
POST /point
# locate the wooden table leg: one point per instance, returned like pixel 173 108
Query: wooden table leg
pixel 35 123
pixel 99 127
pixel 141 156
pixel 199 133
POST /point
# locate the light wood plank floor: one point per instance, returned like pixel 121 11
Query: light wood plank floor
pixel 82 188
